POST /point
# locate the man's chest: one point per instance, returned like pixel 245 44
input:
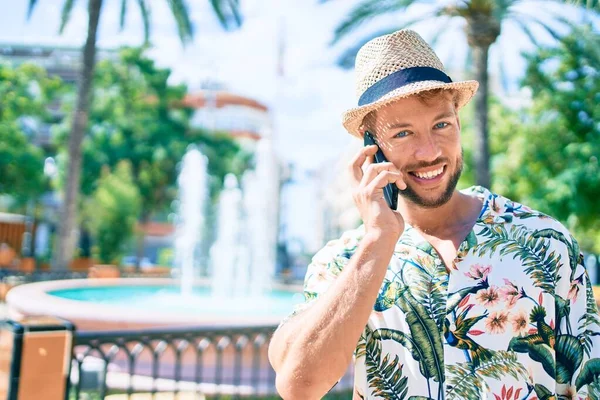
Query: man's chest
pixel 484 311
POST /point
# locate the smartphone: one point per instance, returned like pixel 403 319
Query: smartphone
pixel 390 191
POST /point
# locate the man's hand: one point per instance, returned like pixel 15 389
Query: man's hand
pixel 368 192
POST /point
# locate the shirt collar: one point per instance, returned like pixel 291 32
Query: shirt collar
pixel 496 209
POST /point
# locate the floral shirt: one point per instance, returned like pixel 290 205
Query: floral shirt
pixel 513 317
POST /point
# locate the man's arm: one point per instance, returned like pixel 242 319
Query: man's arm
pixel 311 351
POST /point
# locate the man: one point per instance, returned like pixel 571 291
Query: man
pixel 456 295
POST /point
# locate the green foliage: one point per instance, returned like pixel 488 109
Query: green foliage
pixel 26 92
pixel 549 158
pixel 519 242
pixel 137 116
pixel 569 356
pixel 484 20
pixel 405 340
pixel 465 381
pixel 112 211
pixel 424 332
pixel 384 375
pixel 589 373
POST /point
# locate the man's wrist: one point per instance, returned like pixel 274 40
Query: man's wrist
pixel 378 236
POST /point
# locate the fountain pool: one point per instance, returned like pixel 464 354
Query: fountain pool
pixel 137 303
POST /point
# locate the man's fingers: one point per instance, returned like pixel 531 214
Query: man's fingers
pixel 372 170
pixel 400 183
pixel 357 162
pixel 381 180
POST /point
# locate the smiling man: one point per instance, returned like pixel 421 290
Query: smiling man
pixel 454 295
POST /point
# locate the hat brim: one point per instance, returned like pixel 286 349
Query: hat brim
pixel 352 119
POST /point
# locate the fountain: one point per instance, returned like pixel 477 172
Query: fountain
pixel 242 260
pixel 229 271
pixel 192 196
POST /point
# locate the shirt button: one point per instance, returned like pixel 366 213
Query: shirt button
pixel 437 261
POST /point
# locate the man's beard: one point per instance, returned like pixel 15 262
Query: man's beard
pixel 412 196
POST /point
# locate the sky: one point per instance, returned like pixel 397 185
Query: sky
pixel 306 103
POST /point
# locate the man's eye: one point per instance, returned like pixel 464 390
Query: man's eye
pixel 401 134
pixel 441 125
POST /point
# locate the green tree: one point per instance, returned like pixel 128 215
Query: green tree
pixel 551 149
pixel 112 212
pixel 227 12
pixel 26 92
pixel 483 19
pixel 137 116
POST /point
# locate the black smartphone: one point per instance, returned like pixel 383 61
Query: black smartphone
pixel 390 191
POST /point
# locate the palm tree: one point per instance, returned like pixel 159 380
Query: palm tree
pixel 227 12
pixel 483 21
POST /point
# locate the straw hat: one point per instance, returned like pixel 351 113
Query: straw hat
pixel 395 66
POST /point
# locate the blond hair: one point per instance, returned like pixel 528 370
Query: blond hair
pixel 425 97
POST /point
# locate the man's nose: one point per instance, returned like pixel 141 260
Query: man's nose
pixel 428 149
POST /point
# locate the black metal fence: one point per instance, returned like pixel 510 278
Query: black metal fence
pixel 216 362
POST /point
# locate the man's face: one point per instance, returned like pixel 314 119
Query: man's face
pixel 422 139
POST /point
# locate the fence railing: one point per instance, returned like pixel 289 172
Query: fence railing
pixel 212 362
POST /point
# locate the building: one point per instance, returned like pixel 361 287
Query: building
pixel 246 119
pixel 61 61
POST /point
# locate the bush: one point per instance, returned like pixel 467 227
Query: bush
pixel 112 212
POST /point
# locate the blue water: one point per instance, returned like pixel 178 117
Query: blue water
pixel 169 299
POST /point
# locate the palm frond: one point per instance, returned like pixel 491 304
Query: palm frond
pixel 361 346
pixel 217 6
pixel 569 356
pixel 589 4
pixel 30 8
pixel 589 323
pixel 528 18
pixel 384 375
pixel 145 13
pixel 388 295
pixel 366 11
pixel 226 10
pixel 425 334
pixel 536 349
pixel 180 12
pixel 527 31
pixel 348 57
pixel 406 341
pixel 123 14
pixel 465 380
pixel 235 11
pixel 503 8
pixel 589 373
pixel 520 242
pixel 65 14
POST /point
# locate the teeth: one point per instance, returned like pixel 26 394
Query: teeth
pixel 429 175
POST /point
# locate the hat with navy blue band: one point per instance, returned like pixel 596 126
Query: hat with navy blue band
pixel 395 66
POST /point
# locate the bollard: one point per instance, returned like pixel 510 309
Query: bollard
pixel 35 358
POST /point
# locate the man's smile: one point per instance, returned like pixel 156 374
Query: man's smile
pixel 429 175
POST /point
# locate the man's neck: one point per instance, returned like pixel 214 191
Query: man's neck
pixel 461 209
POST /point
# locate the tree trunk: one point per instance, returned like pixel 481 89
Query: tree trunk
pixel 66 237
pixel 482 152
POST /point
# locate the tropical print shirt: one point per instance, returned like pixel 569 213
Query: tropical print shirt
pixel 513 318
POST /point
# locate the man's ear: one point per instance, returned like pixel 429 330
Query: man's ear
pixel 458 120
